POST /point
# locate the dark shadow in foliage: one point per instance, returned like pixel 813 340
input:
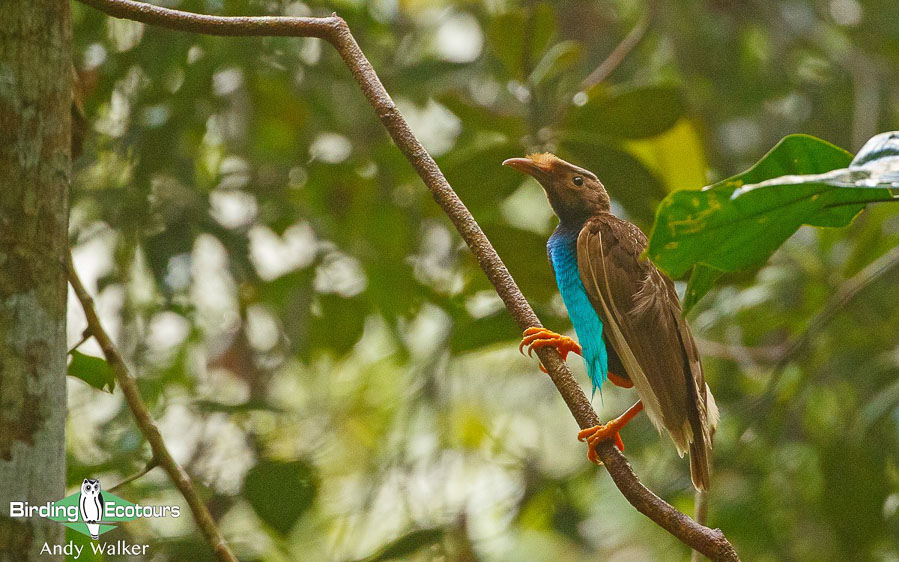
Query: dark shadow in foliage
pixel 281 491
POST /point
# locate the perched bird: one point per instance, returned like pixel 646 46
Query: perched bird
pixel 626 315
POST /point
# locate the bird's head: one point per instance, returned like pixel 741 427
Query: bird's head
pixel 574 193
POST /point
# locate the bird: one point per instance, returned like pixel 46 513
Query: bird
pixel 626 315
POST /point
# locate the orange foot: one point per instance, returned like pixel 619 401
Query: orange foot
pixel 535 338
pixel 596 434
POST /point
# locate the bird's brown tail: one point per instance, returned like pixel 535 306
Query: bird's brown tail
pixel 701 447
pixel 700 463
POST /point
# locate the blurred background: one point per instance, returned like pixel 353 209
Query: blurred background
pixel 331 366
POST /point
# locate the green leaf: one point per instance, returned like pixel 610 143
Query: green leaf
pixel 336 325
pixel 676 156
pixel 630 113
pixel 739 222
pixel 253 405
pixel 280 492
pixel 486 118
pixel 701 280
pixel 92 370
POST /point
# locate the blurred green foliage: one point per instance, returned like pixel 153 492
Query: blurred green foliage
pixel 330 364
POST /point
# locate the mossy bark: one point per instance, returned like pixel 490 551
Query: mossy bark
pixel 35 172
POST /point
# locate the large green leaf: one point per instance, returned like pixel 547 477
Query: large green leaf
pixel 737 223
pixel 92 370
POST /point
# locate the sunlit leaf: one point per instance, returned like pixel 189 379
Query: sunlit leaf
pixel 677 156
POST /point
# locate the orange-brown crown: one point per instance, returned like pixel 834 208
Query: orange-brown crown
pixel 544 158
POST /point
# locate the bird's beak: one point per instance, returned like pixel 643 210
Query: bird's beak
pixel 528 166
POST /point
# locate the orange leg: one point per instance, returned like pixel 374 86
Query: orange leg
pixel 619 381
pixel 594 435
pixel 535 338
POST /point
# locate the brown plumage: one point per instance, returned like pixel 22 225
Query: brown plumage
pixel 643 325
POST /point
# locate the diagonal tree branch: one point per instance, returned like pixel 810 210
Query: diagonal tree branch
pixel 334 29
pixel 146 423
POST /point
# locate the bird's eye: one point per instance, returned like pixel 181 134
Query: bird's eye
pixel 578 181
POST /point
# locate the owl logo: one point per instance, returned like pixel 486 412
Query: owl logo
pixel 91 504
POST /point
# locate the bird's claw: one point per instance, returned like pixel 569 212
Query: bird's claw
pixel 594 435
pixel 535 338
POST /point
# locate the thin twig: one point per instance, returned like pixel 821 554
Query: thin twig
pixel 710 542
pixel 146 423
pixel 620 52
pixel 844 295
pixel 847 291
pixel 740 353
pixel 151 464
pixel 85 335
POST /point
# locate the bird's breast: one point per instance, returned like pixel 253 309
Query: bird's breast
pixel 562 250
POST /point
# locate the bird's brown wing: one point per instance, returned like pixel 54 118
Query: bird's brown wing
pixel 642 321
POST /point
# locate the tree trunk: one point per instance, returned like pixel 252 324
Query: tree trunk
pixel 35 170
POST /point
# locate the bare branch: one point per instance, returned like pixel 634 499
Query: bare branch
pixel 234 26
pixel 710 542
pixel 146 423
